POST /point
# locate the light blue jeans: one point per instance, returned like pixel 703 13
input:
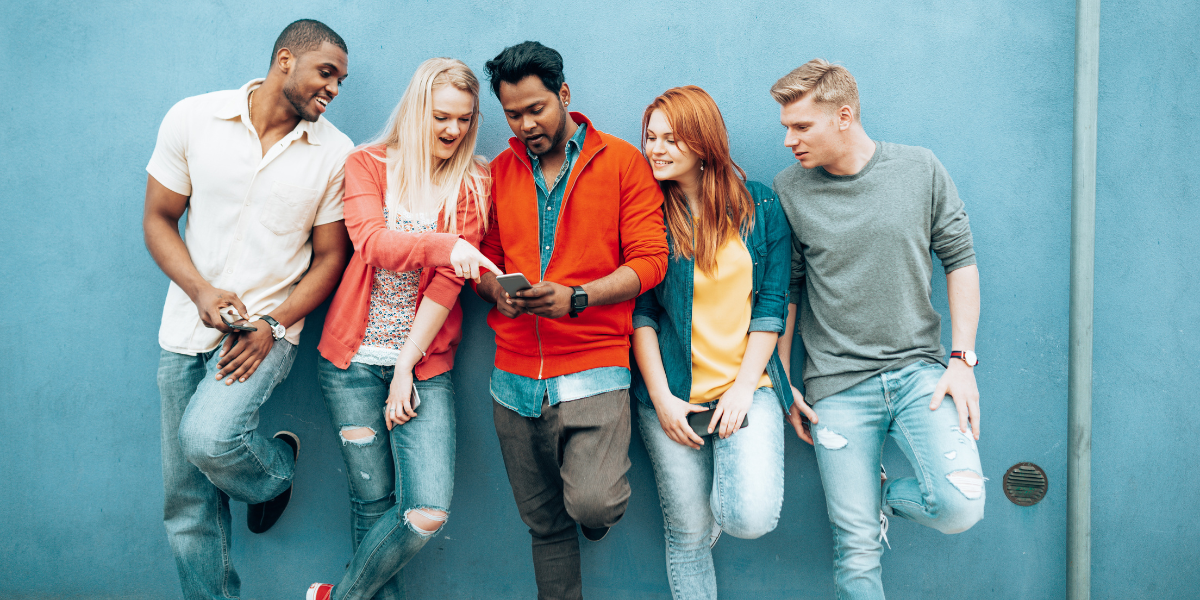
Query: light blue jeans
pixel 211 452
pixel 733 485
pixel 392 473
pixel 946 494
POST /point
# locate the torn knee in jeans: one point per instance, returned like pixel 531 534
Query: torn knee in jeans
pixel 359 436
pixel 829 439
pixel 969 483
pixel 425 521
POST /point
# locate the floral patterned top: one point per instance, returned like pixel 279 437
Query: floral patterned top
pixel 393 299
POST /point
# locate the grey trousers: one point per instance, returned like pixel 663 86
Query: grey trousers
pixel 567 466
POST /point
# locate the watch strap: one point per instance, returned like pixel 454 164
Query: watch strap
pixel 579 300
pixel 274 325
pixel 962 355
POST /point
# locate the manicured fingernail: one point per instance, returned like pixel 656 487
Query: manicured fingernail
pixel 243 380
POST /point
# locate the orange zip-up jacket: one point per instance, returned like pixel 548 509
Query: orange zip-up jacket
pixel 376 246
pixel 611 215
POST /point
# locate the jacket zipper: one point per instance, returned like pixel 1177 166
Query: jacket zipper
pixel 537 332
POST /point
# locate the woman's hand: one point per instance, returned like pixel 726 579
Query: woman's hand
pixel 673 417
pixel 399 409
pixel 801 416
pixel 467 260
pixel 732 409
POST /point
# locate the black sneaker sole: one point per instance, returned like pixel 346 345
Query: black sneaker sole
pixel 593 535
pixel 262 516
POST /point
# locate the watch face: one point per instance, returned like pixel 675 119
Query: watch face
pixel 278 331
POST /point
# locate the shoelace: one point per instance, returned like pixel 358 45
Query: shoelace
pixel 883 527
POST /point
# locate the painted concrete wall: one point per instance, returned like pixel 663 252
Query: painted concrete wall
pixel 986 85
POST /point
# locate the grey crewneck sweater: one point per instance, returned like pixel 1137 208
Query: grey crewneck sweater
pixel 863 263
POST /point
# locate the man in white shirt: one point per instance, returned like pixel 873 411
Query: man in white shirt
pixel 259 172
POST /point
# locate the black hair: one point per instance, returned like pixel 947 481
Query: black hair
pixel 522 60
pixel 304 35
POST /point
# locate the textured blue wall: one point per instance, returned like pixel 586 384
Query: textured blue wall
pixel 986 86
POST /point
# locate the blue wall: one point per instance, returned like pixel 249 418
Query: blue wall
pixel 986 86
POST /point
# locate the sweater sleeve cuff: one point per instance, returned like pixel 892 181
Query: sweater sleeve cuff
pixel 644 321
pixel 443 289
pixel 965 260
pixel 797 286
pixel 649 273
pixel 438 252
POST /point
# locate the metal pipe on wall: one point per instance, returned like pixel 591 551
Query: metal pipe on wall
pixel 1083 254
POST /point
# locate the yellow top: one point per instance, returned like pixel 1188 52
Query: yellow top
pixel 721 322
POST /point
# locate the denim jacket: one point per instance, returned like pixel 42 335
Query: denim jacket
pixel 668 307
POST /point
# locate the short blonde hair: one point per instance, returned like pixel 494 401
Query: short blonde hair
pixel 831 86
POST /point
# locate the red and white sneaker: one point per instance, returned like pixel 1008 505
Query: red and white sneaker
pixel 319 591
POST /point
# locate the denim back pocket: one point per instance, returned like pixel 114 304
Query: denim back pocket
pixel 289 208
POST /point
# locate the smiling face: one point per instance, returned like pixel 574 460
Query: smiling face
pixel 453 110
pixel 313 79
pixel 814 135
pixel 536 115
pixel 670 158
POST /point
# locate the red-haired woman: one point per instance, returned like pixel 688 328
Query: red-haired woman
pixel 705 339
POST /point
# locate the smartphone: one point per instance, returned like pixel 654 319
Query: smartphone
pixel 229 314
pixel 416 397
pixel 699 422
pixel 513 283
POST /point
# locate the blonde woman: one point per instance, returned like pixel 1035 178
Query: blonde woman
pixel 415 207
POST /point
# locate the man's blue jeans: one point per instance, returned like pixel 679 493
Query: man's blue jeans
pixel 212 452
pixel 946 494
pixel 410 468
pixel 733 484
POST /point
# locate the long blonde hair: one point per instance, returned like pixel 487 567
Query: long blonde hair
pixel 413 173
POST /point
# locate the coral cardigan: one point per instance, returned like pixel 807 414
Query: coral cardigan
pixel 611 216
pixel 376 246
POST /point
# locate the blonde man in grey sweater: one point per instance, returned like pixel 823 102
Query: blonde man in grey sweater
pixel 866 216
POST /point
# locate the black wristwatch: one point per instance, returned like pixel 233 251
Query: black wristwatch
pixel 579 300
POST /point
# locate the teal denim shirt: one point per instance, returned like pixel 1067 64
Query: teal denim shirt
pixel 524 395
pixel 667 309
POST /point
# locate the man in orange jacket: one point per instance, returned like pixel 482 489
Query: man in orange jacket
pixel 578 212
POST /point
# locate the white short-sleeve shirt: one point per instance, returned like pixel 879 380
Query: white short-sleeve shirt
pixel 249 216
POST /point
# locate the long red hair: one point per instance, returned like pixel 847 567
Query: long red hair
pixel 726 208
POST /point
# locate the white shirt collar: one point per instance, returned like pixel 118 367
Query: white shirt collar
pixel 237 108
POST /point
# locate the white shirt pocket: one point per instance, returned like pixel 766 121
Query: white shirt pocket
pixel 289 208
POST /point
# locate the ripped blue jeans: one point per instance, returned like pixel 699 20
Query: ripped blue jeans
pixel 946 494
pixel 410 468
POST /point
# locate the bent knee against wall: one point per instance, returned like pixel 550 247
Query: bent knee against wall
pixel 425 521
pixel 751 527
pixel 203 445
pixel 594 510
pixel 959 513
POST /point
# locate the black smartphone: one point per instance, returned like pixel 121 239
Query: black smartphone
pixel 700 420
pixel 230 314
pixel 513 283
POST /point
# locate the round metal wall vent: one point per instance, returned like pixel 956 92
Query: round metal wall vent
pixel 1025 484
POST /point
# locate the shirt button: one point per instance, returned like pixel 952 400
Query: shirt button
pixel 547 247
